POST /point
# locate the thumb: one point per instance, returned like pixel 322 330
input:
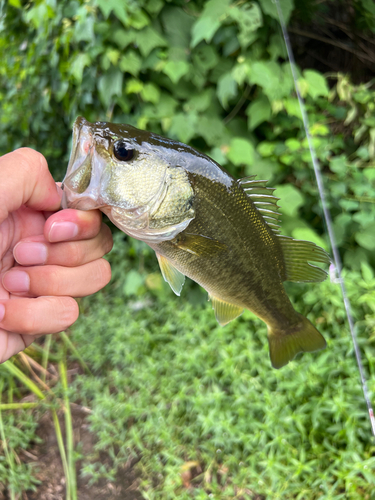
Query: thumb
pixel 26 180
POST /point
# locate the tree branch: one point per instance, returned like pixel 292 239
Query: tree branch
pixel 343 46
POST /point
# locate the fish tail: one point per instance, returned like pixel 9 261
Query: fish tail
pixel 285 344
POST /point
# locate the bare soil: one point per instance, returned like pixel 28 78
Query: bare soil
pixel 46 458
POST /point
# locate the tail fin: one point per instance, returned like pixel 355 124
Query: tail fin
pixel 284 345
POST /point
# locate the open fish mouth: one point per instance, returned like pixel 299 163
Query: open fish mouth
pixel 81 185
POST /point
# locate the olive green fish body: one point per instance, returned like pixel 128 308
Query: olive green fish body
pixel 201 222
pixel 248 271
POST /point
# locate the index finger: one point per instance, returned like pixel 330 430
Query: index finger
pixel 26 180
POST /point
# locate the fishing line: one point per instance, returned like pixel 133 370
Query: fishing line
pixel 327 216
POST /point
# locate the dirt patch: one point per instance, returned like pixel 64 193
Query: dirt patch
pixel 46 458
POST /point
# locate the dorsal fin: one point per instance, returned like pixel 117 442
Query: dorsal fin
pixel 263 199
pixel 170 274
pixel 297 255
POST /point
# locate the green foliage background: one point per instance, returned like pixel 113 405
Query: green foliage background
pixel 213 74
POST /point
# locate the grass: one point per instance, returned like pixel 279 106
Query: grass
pixel 200 407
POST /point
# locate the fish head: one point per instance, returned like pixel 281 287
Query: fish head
pixel 131 176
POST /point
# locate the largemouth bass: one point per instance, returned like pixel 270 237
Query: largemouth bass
pixel 202 223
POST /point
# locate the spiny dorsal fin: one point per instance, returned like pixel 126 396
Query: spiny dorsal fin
pixel 263 199
pixel 170 274
pixel 297 255
pixel 224 311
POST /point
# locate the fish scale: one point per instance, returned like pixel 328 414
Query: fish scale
pixel 251 265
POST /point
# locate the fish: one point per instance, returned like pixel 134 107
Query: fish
pixel 201 222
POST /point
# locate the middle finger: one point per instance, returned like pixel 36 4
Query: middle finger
pixel 37 251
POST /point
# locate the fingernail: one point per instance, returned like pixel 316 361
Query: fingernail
pixel 2 312
pixel 62 231
pixel 16 281
pixel 30 253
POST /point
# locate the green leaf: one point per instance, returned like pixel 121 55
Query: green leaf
pixel 124 37
pixel 110 85
pixel 209 22
pixel 150 93
pixel 78 65
pixel 84 30
pixel 133 86
pixel 277 47
pixel 177 26
pixel 293 144
pixel 200 102
pixel 249 19
pixel 263 168
pixel 369 173
pixel 292 107
pixel 211 129
pixel 148 39
pixel 269 7
pixel 290 199
pixel 226 88
pixel 15 3
pixel 241 152
pixel 138 20
pixel 317 84
pixel 306 233
pixel 319 129
pixel 369 6
pixel 130 63
pixel 266 148
pixel 204 29
pixel 366 239
pixel 338 164
pixel 258 112
pixel 367 272
pixel 133 282
pixel 184 126
pixel 205 58
pixel 218 155
pixel 118 8
pixel 176 70
pixel 275 80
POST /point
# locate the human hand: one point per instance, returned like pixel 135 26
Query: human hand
pixel 46 258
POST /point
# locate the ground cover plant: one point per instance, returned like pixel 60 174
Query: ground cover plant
pixel 194 409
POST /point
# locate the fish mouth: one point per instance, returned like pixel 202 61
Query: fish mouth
pixel 79 190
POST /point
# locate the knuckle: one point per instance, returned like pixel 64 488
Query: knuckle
pixel 104 273
pixel 75 254
pixel 52 282
pixel 107 240
pixel 30 159
pixel 69 312
pixel 27 322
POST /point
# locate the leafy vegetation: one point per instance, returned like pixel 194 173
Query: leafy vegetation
pixel 184 394
pixel 198 404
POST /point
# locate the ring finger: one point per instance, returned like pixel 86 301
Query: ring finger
pixel 57 280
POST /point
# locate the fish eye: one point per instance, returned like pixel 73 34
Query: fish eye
pixel 121 152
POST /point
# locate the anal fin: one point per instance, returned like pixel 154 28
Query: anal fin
pixel 171 275
pixel 224 311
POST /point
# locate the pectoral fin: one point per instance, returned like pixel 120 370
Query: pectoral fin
pixel 171 275
pixel 224 311
pixel 199 245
